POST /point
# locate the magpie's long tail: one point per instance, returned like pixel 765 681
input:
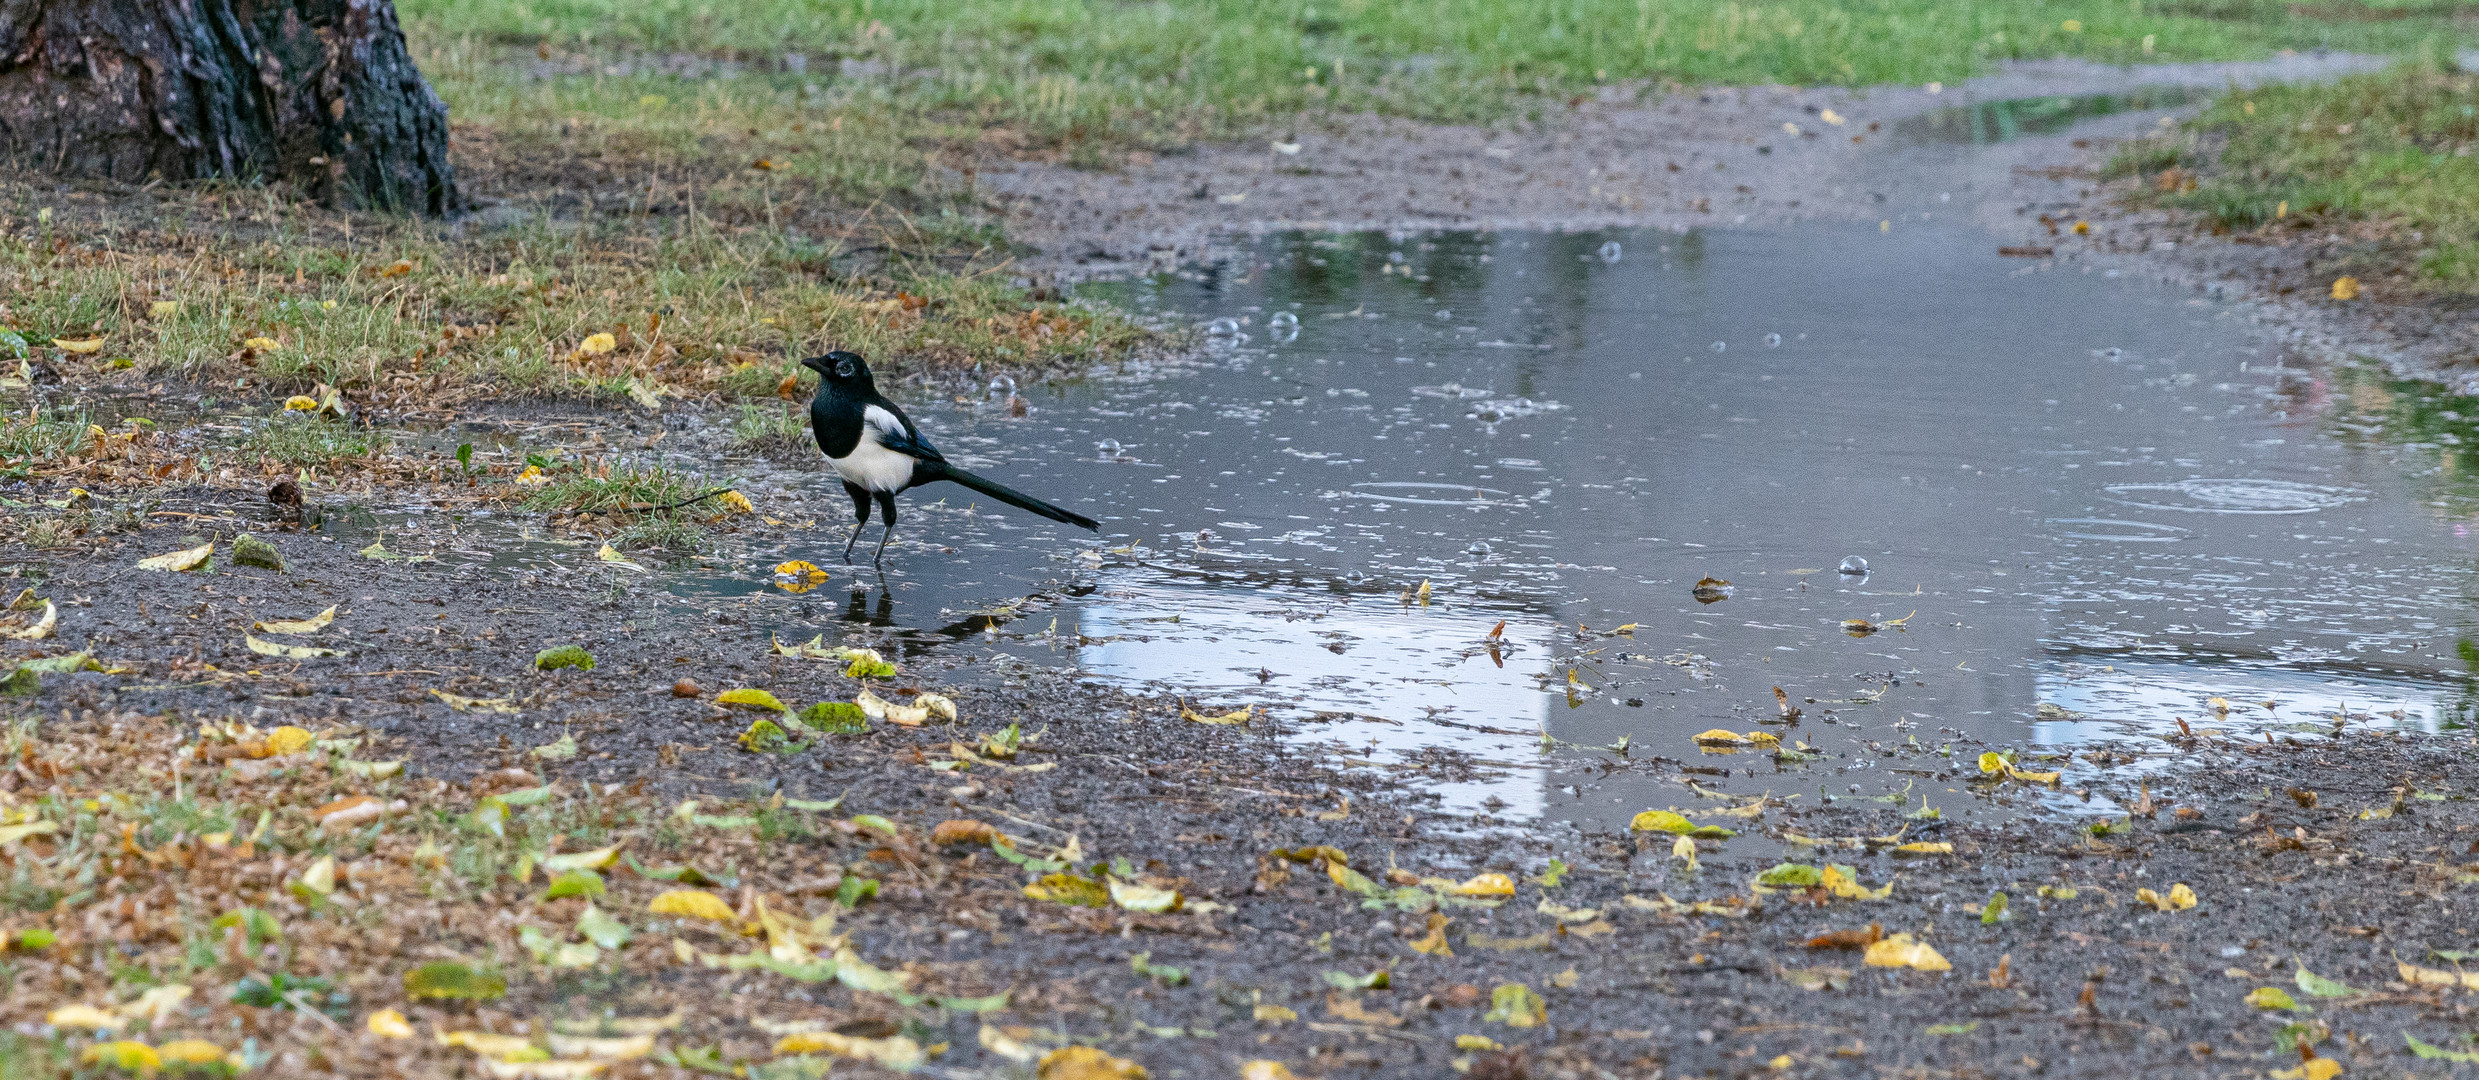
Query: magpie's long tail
pixel 1017 499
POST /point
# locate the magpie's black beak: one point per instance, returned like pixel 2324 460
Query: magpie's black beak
pixel 816 364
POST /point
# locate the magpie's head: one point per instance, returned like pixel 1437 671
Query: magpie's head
pixel 840 368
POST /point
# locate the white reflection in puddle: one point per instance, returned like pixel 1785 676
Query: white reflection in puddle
pixel 2138 697
pixel 1405 680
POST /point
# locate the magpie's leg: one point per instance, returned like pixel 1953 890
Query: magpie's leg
pixel 860 511
pixel 886 504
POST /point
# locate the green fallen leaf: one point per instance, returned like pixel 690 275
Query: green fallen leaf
pixel 1995 911
pixel 2273 997
pixel 600 928
pixel 2319 986
pixel 2438 1053
pixel 563 750
pixel 575 883
pixel 1376 980
pixel 565 656
pixel 453 981
pixel 1142 964
pixel 852 890
pixel 835 718
pixel 1516 1005
pixel 684 874
pixel 1791 876
pixel 1951 1029
pixel 768 737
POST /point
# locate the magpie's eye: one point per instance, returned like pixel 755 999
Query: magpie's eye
pixel 843 368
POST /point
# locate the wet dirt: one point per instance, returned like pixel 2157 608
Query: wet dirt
pixel 2091 984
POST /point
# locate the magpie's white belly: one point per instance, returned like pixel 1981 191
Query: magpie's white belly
pixel 873 466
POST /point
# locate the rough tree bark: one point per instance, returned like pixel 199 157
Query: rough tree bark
pixel 320 94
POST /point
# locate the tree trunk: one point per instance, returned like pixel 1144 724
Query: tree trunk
pixel 320 94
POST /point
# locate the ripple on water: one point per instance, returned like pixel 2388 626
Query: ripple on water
pixel 2131 532
pixel 1427 494
pixel 2245 496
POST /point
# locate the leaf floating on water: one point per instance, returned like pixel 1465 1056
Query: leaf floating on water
pixel 188 559
pixel 311 625
pixel 611 557
pixel 289 652
pixel 798 576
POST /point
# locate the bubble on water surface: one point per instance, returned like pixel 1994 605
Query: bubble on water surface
pixel 1773 341
pixel 1479 549
pixel 1223 327
pixel 1109 447
pixel 1853 565
pixel 1003 386
pixel 1611 252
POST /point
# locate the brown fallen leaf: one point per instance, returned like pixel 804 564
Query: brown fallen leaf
pixel 1848 939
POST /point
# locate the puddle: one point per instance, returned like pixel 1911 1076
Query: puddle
pixel 2088 508
pixel 2000 121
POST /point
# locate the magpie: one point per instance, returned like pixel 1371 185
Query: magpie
pixel 878 452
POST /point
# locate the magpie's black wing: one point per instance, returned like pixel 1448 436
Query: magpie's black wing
pixel 896 432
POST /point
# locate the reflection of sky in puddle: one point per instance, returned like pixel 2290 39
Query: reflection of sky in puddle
pixel 2110 701
pixel 1405 680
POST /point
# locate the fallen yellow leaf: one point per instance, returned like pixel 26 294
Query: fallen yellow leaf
pixel 187 559
pixel 597 344
pixel 693 903
pixel 1086 1063
pixel 1900 950
pixel 389 1024
pixel 311 625
pixel 89 345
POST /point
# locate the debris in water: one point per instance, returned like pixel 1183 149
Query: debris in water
pixel 1711 591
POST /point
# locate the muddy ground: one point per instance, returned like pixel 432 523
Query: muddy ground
pixel 2342 855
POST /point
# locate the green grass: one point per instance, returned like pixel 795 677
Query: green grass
pixel 694 307
pixel 299 439
pixel 771 428
pixel 616 490
pixel 2386 159
pixel 1074 71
